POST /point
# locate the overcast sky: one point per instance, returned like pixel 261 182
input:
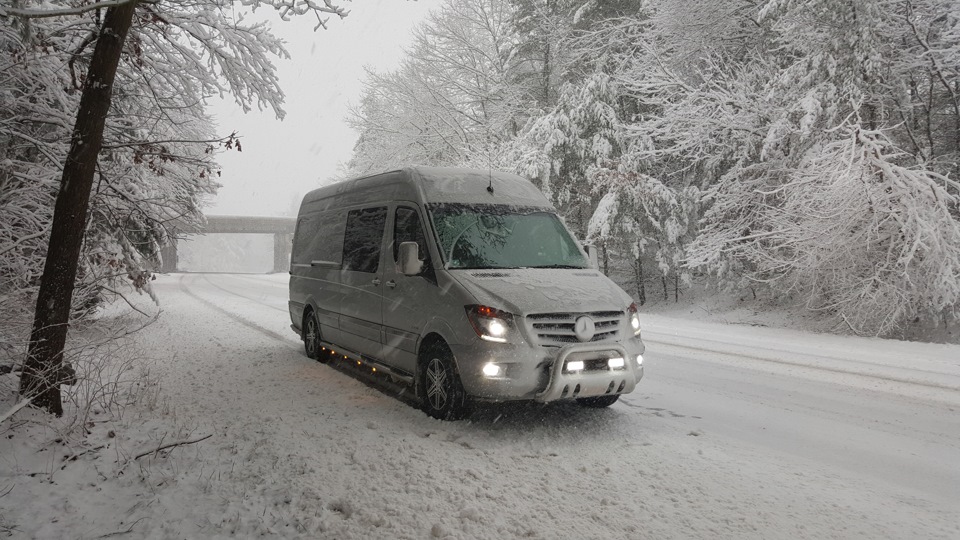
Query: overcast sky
pixel 282 160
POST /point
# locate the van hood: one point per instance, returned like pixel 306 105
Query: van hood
pixel 524 291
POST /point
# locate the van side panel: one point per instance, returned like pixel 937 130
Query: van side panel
pixel 361 320
pixel 315 270
pixel 408 301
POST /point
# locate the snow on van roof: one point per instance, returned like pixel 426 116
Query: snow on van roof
pixel 448 184
pixel 430 185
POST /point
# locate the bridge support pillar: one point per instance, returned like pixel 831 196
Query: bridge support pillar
pixel 282 246
pixel 168 254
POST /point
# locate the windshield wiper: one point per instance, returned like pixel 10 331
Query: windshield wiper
pixel 483 268
pixel 559 266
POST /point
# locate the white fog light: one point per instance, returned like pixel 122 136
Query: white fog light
pixel 576 365
pixel 615 363
pixel 639 359
pixel 491 370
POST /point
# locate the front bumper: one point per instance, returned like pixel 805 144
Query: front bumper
pixel 598 382
pixel 537 373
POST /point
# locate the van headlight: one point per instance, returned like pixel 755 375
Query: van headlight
pixel 490 323
pixel 634 318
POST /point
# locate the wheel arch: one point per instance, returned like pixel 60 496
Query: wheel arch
pixel 309 306
pixel 307 312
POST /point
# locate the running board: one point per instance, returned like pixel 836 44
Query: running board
pixel 374 365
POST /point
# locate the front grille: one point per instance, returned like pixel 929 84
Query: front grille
pixel 556 329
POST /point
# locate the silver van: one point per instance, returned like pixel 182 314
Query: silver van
pixel 464 284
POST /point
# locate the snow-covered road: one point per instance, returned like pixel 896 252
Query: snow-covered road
pixel 734 432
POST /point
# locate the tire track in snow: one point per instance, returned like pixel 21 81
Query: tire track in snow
pixel 253 326
pixel 245 297
pixel 818 367
pixel 256 278
pixel 818 355
pixel 385 386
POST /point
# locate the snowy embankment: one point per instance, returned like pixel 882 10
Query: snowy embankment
pixel 735 432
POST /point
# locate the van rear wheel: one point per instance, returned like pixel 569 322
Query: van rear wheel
pixel 598 402
pixel 311 339
pixel 443 394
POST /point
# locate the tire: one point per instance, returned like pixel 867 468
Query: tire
pixel 598 402
pixel 443 395
pixel 311 338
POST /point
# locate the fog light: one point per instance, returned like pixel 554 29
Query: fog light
pixel 491 370
pixel 615 363
pixel 576 365
pixel 639 359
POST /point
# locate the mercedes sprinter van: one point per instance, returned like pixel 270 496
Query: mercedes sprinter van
pixel 464 284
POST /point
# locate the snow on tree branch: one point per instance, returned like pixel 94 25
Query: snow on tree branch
pixel 63 12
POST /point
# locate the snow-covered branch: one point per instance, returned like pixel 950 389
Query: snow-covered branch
pixel 28 13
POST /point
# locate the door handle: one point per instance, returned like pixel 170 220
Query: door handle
pixel 391 284
pixel 376 282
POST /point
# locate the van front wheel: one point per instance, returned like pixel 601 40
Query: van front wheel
pixel 311 338
pixel 443 395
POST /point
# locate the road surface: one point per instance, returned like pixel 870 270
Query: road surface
pixel 736 432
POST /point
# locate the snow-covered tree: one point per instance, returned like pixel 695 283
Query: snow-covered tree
pixel 793 121
pixel 451 101
pixel 565 147
pixel 689 136
pixel 151 153
pixel 580 150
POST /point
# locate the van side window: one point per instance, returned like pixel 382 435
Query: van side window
pixel 362 239
pixel 407 228
pixel 318 237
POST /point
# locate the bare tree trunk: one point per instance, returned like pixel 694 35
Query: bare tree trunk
pixel 956 132
pixel 641 287
pixel 663 282
pixel 676 288
pixel 545 75
pixel 546 71
pixel 42 372
pixel 606 258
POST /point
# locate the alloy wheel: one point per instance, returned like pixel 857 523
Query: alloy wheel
pixel 311 337
pixel 437 384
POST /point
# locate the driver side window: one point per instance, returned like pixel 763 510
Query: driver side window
pixel 407 228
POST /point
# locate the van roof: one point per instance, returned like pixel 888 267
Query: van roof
pixel 431 185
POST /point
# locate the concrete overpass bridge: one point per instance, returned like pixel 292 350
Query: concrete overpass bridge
pixel 280 227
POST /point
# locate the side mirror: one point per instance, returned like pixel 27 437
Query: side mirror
pixel 409 263
pixel 592 254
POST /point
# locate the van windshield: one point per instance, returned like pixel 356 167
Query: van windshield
pixel 475 236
